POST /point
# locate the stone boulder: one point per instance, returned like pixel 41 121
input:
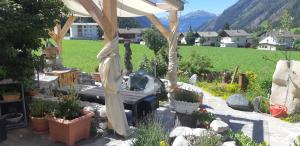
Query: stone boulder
pixel 239 102
pixel 219 126
pixel 229 143
pixel 181 141
pixel 181 131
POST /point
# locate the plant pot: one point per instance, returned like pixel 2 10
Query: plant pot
pixel 13 117
pixel 70 131
pixel 185 107
pixel 39 125
pixel 33 93
pixel 97 77
pixel 3 133
pixel 11 96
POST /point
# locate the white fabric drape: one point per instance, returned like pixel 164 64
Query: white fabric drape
pixel 125 8
pixel 173 61
pixel 111 77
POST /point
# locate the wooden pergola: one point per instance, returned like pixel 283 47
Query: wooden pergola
pixel 106 18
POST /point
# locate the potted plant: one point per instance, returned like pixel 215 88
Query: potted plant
pixel 11 96
pixel 204 118
pixel 38 112
pixel 69 122
pixel 96 74
pixel 186 102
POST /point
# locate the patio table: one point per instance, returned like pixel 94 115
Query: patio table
pixel 131 99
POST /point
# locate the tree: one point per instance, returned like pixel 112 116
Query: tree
pixel 202 40
pixel 226 26
pixel 23 25
pixel 154 40
pixel 190 37
pixel 286 20
pixel 266 26
pixel 127 58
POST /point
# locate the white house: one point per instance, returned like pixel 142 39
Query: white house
pixel 84 31
pixel 181 38
pixel 210 38
pixel 275 40
pixel 234 38
pixel 131 34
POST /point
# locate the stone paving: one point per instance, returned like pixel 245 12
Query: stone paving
pixel 258 126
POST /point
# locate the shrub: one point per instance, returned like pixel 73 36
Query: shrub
pixel 220 89
pixel 150 133
pixel 294 118
pixel 196 64
pixel 154 66
pixel 204 118
pixel 187 96
pixel 243 140
pixel 209 138
pixel 40 108
pixel 68 106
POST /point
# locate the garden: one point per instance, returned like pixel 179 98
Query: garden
pixel 52 90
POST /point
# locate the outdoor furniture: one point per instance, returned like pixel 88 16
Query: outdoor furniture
pixel 17 105
pixel 66 77
pixel 3 133
pixel 133 100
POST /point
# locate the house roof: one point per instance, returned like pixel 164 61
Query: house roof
pixel 235 33
pixel 279 34
pixel 208 34
pixel 90 24
pixel 131 30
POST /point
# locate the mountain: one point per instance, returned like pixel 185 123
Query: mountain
pixel 248 14
pixel 195 19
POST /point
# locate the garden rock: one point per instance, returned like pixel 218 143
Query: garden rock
pixel 193 79
pixel 229 143
pixel 181 131
pixel 239 102
pixel 199 132
pixel 219 126
pixel 180 141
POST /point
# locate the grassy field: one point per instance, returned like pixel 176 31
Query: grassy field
pixel 82 54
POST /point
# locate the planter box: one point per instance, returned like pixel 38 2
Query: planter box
pixel 50 52
pixel 65 77
pixel 185 107
pixel 39 125
pixel 70 131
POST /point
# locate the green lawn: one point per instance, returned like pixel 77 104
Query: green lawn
pixel 82 54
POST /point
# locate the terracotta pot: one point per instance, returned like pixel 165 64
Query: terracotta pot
pixel 39 125
pixel 97 77
pixel 70 131
pixel 33 93
pixel 11 97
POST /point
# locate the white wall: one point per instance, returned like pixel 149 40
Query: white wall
pixel 266 47
pixel 88 32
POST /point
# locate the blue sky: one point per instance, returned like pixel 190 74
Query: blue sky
pixel 214 6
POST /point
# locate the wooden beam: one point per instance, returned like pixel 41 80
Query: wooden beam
pixel 110 11
pixel 97 15
pixel 178 4
pixel 166 6
pixel 67 26
pixel 173 19
pixel 159 26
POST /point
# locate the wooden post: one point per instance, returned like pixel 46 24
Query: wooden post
pixel 110 11
pixel 58 34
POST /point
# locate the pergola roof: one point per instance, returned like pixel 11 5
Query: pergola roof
pixel 127 8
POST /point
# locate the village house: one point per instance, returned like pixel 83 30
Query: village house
pixel 131 34
pixel 181 38
pixel 234 38
pixel 84 31
pixel 90 31
pixel 275 40
pixel 207 38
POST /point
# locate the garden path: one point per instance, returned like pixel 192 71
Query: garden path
pixel 258 126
